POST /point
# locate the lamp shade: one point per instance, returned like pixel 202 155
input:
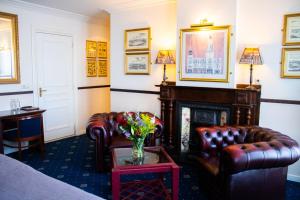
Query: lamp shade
pixel 165 57
pixel 251 56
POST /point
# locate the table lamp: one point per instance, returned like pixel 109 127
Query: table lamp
pixel 251 56
pixel 165 57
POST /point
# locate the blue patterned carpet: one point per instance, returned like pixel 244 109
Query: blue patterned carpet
pixel 72 161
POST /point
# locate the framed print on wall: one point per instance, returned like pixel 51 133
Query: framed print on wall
pixel 138 39
pixel 102 50
pixel 91 49
pixel 291 29
pixel 137 63
pixel 102 68
pixel 91 67
pixel 290 63
pixel 204 54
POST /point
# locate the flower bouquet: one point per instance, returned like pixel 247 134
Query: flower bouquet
pixel 136 127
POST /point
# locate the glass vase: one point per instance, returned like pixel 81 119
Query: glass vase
pixel 138 151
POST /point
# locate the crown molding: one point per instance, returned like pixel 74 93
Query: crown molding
pixel 45 10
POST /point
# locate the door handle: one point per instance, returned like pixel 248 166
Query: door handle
pixel 41 92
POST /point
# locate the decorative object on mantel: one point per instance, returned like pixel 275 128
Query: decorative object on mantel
pixel 96 54
pixel 290 63
pixel 251 56
pixel 204 54
pixel 291 29
pixel 137 63
pixel 138 39
pixel 136 127
pixel 165 57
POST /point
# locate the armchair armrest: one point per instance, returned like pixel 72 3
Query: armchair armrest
pixel 259 155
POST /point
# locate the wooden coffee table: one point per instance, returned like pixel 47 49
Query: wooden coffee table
pixel 156 160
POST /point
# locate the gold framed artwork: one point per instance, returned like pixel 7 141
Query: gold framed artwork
pixel 102 68
pixel 91 67
pixel 291 29
pixel 9 49
pixel 102 50
pixel 91 49
pixel 137 63
pixel 204 54
pixel 290 63
pixel 138 39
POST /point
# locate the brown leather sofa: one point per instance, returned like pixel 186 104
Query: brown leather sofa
pixel 245 163
pixel 103 128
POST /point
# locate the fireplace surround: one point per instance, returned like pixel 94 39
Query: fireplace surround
pixel 184 108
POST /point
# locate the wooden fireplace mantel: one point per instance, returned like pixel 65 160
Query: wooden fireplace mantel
pixel 243 103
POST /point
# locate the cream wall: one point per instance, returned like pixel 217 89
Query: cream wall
pixel 33 17
pixel 162 20
pixel 221 13
pixel 259 24
pixel 255 23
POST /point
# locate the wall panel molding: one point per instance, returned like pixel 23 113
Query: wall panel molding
pixel 16 93
pixel 93 86
pixel 135 91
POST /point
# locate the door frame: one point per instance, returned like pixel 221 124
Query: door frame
pixel 52 31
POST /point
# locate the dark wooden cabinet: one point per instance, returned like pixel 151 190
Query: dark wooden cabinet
pixel 242 106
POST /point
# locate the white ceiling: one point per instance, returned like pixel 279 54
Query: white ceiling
pixel 92 7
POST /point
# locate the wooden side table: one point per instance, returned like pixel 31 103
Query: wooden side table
pixel 156 160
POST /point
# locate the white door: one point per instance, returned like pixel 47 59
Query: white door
pixel 53 55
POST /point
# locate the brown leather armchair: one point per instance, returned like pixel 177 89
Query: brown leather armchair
pixel 103 128
pixel 245 162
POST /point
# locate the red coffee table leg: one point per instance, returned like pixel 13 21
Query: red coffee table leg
pixel 175 182
pixel 115 185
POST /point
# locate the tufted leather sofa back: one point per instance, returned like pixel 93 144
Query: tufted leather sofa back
pixel 252 147
pixel 213 139
pixel 108 125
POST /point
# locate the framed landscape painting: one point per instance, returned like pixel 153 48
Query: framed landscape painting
pixel 137 39
pixel 137 63
pixel 204 54
pixel 291 29
pixel 290 64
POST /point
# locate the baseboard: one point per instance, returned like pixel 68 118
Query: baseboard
pixel 292 177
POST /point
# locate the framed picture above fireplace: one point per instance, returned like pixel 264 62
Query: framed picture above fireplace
pixel 204 54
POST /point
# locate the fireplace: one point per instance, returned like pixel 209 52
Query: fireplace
pixel 197 114
pixel 185 108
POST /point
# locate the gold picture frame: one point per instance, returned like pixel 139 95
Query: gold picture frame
pixel 102 50
pixel 290 63
pixel 9 50
pixel 291 29
pixel 91 49
pixel 91 67
pixel 198 47
pixel 102 68
pixel 137 39
pixel 137 63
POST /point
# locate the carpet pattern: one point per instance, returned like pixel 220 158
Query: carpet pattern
pixel 72 161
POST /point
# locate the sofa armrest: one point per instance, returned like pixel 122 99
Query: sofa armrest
pixel 259 155
pixel 98 128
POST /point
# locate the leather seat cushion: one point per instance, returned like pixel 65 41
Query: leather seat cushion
pixel 211 164
pixel 120 141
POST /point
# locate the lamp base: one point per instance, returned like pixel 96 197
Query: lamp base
pixel 164 83
pixel 251 87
